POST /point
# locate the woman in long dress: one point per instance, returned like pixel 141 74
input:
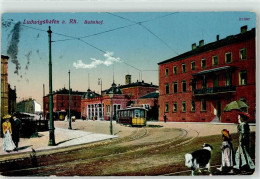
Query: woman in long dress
pixel 8 144
pixel 243 158
pixel 227 152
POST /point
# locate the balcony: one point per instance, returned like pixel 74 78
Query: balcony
pixel 214 90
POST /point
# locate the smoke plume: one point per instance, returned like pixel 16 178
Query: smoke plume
pixel 109 60
pixel 12 49
pixel 28 56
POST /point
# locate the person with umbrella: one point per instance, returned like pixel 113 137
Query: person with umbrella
pixel 242 157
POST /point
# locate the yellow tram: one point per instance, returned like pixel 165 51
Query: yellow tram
pixel 134 116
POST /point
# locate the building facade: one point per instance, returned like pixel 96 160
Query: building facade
pixel 4 85
pixel 197 85
pixel 119 97
pixel 61 103
pixel 29 106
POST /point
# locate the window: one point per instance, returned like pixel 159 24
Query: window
pixel 228 78
pixel 193 106
pixel 183 68
pixel 242 54
pixel 175 107
pixel 193 67
pixel 174 70
pixel 166 107
pixel 215 84
pixel 228 57
pixel 203 63
pixel 184 106
pixel 175 87
pixel 243 77
pixel 184 88
pixel 203 105
pixel 167 72
pixel 215 60
pixel 167 88
pixel 204 82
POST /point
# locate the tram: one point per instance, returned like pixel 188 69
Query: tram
pixel 134 116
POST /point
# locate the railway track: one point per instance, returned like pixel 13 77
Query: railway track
pixel 46 169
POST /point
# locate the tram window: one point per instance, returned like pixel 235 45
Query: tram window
pixel 128 114
pixel 137 113
pixel 142 114
pixel 125 113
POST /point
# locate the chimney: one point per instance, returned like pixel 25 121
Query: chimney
pixel 217 37
pixel 201 43
pixel 127 79
pixel 193 46
pixel 243 29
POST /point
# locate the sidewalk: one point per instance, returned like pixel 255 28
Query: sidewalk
pixel 63 138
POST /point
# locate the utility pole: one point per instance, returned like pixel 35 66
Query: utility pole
pixel 51 127
pixel 100 83
pixel 69 103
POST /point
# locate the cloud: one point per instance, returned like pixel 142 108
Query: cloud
pixel 109 60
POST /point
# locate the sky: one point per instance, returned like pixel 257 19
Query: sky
pixel 133 43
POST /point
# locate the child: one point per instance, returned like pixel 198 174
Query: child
pixel 227 152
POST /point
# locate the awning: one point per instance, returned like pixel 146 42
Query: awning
pixel 214 70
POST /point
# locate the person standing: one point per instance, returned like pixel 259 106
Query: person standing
pixel 227 157
pixel 8 144
pixel 165 117
pixel 243 158
pixel 17 124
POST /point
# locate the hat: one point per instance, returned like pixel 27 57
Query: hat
pixel 244 115
pixel 225 132
pixel 8 116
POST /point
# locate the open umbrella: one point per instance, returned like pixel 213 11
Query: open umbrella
pixel 236 105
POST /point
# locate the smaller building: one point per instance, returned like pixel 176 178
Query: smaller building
pixel 61 103
pixel 29 106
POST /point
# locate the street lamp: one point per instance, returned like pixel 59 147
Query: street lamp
pixel 100 83
pixel 51 128
pixel 111 94
pixel 69 103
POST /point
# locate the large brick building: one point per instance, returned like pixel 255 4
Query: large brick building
pixel 61 103
pixel 197 85
pixel 99 106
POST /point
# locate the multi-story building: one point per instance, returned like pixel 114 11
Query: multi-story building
pixel 4 85
pixel 61 103
pixel 197 85
pixel 29 106
pixel 121 96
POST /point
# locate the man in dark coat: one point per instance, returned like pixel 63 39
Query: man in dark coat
pixel 16 127
pixel 165 117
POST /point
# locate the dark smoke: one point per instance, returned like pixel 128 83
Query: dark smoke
pixel 28 56
pixel 12 49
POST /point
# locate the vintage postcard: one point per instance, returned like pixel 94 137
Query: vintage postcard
pixel 128 94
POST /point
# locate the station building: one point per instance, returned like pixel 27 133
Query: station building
pixel 94 106
pixel 197 85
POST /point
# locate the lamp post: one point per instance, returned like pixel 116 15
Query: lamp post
pixel 100 83
pixel 69 103
pixel 111 111
pixel 51 127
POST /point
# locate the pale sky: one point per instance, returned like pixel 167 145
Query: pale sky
pixel 115 38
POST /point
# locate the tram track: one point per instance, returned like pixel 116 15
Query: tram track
pixel 35 171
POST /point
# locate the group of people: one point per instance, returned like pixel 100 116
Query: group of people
pixel 11 131
pixel 241 159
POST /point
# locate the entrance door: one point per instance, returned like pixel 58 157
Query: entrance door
pixel 219 110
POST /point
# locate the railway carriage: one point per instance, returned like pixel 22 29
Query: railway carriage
pixel 134 116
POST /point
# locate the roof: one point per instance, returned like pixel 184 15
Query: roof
pixel 114 90
pixel 135 84
pixel 214 45
pixel 213 70
pixel 66 91
pixel 150 95
pixel 90 94
pixel 4 57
